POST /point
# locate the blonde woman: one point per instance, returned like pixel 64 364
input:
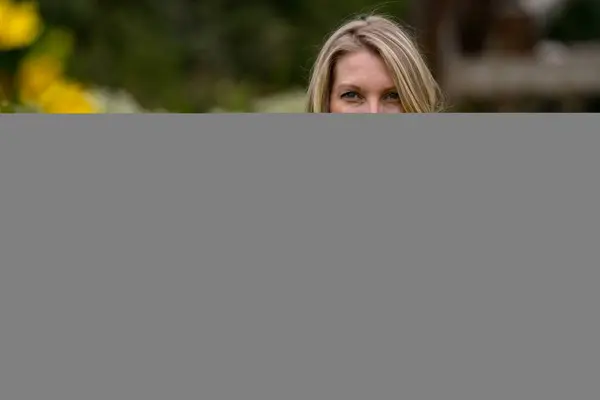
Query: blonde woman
pixel 371 65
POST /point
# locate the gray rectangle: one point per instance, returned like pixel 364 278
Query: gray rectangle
pixel 312 257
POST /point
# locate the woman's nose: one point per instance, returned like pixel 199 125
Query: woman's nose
pixel 374 107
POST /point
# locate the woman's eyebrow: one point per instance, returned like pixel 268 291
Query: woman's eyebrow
pixel 347 86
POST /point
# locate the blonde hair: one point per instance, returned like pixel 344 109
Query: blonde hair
pixel 419 91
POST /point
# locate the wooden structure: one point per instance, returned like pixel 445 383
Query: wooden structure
pixel 578 73
pixel 488 50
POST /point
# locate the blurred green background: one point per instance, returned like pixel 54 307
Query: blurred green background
pixel 204 56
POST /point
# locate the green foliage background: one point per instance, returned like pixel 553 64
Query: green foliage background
pixel 193 56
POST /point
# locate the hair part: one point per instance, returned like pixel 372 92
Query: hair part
pixel 419 92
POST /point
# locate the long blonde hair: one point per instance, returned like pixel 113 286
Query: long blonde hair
pixel 418 89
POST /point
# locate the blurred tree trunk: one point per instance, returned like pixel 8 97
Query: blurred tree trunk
pixel 513 32
pixel 427 17
pixel 467 21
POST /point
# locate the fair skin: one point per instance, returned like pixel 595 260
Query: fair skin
pixel 362 84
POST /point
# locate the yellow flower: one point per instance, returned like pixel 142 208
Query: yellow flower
pixel 20 24
pixel 65 97
pixel 35 76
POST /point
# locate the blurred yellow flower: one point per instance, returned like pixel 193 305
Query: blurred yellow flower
pixel 20 24
pixel 66 97
pixel 35 76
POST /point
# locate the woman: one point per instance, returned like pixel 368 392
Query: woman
pixel 370 65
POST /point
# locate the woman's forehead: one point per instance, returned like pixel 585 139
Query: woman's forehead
pixel 362 68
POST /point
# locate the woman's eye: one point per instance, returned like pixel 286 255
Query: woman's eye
pixel 350 95
pixel 393 96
